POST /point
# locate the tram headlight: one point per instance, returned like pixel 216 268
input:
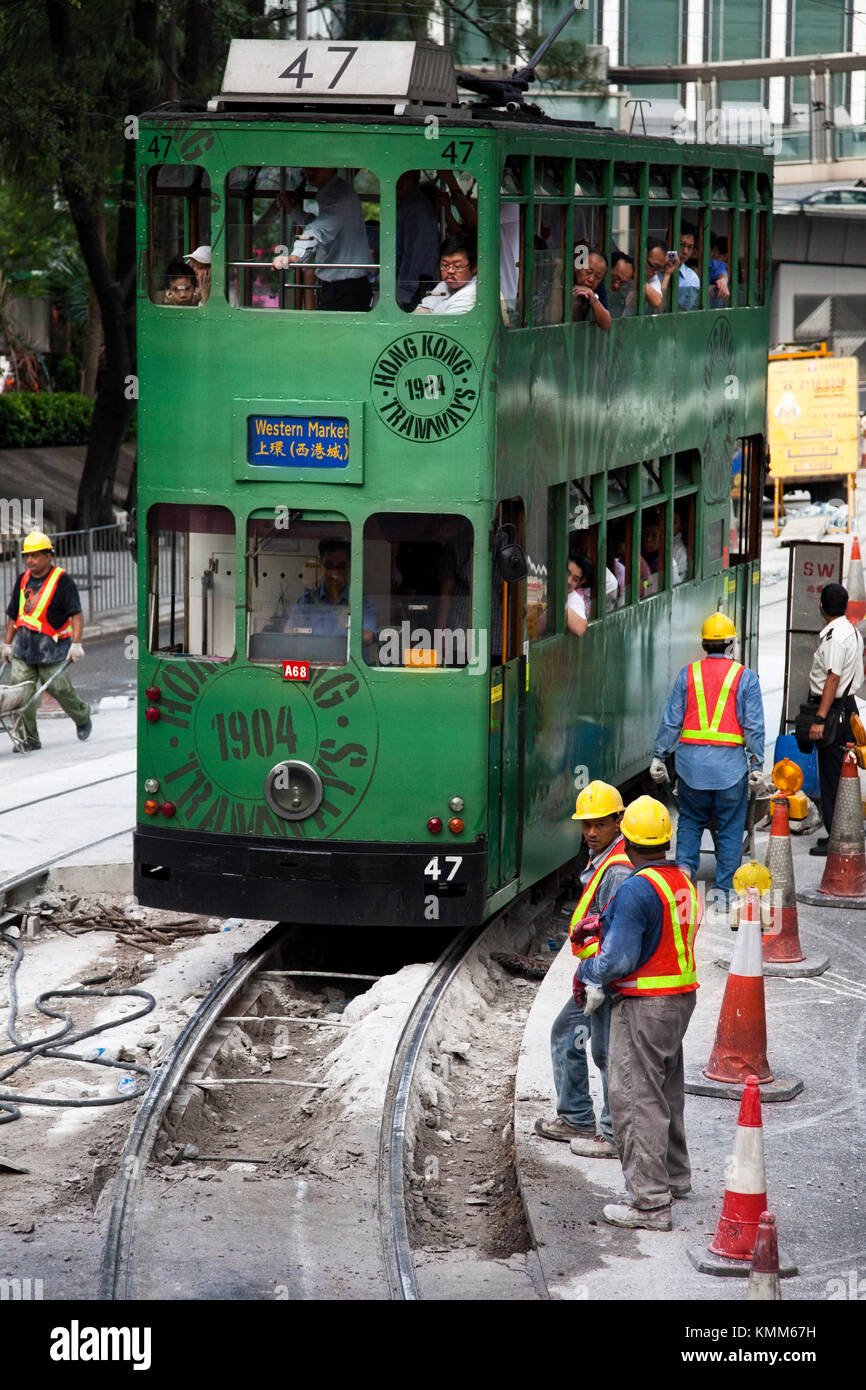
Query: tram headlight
pixel 294 790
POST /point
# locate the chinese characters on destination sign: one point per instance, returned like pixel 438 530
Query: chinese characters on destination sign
pixel 297 441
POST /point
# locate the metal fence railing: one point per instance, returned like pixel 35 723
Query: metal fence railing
pixel 101 561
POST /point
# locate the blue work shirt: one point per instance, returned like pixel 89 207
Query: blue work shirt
pixel 314 610
pixel 712 766
pixel 631 928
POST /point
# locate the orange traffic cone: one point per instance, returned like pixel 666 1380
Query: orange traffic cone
pixel 764 1278
pixel 845 872
pixel 746 1191
pixel 740 1048
pixel 741 1036
pixel 783 954
pixel 745 1201
pixel 856 610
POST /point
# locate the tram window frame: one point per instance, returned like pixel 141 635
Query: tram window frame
pixel 165 522
pixel 438 647
pixel 516 174
pixel 625 589
pixel 313 535
pixel 661 510
pixel 292 296
pixel 195 195
pixel 469 211
pixel 685 503
pixel 540 545
pixel 633 238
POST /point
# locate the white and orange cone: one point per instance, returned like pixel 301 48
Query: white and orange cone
pixel 845 872
pixel 764 1280
pixel 740 1049
pixel 783 953
pixel 856 610
pixel 745 1196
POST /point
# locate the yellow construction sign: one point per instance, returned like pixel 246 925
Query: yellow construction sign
pixel 812 422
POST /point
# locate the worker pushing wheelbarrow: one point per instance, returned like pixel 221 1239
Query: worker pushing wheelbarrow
pixel 43 636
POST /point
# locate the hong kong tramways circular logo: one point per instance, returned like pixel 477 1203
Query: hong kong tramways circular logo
pixel 222 729
pixel 425 386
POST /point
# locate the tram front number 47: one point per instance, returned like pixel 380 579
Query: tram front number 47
pixel 435 872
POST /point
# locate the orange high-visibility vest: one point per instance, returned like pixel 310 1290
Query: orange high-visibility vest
pixel 671 967
pixel 617 855
pixel 36 619
pixel 712 684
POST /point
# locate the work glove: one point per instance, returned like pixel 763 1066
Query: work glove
pixel 578 989
pixel 76 652
pixel 756 781
pixel 6 651
pixel 658 771
pixel 594 998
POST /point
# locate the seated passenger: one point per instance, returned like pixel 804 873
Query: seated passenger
pixel 720 293
pixel 660 266
pixel 458 289
pixel 621 298
pixel 199 261
pixel 181 286
pixel 588 296
pixel 689 289
pixel 324 611
pixel 581 582
pixel 417 248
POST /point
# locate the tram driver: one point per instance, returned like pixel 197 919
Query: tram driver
pixel 323 611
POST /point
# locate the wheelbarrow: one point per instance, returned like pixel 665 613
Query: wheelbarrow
pixel 16 700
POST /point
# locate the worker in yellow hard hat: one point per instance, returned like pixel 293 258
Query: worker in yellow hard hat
pixel 43 631
pixel 714 725
pixel 647 964
pixel 599 809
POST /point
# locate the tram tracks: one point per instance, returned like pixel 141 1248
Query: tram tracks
pixel 378 1253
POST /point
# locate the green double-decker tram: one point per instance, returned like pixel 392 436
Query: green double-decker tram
pixel 381 407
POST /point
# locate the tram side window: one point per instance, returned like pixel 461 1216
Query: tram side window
pixel 298 592
pixel 302 238
pixel 619 553
pixel 436 235
pixel 720 272
pixel 179 224
pixel 625 249
pixel 683 540
pixel 191 581
pixel 418 583
pixel 652 551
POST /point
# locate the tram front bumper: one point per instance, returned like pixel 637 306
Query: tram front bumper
pixel 345 884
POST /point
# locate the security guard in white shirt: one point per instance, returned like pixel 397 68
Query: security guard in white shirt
pixel 837 666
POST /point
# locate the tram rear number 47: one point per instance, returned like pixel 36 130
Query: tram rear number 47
pixel 254 734
pixel 433 870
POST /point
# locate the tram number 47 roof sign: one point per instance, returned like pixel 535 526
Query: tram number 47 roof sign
pixel 297 441
pixel 812 421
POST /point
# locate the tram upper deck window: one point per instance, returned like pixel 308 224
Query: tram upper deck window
pixel 179 223
pixel 418 581
pixel 298 592
pixel 436 232
pixel 302 238
pixel 191 582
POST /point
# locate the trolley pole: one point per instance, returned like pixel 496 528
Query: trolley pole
pixel 301 28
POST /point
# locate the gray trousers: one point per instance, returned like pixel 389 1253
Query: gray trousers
pixel 62 689
pixel 647 1099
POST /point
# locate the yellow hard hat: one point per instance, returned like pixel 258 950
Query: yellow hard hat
pixel 717 628
pixel 752 875
pixel 646 822
pixel 597 800
pixel 37 540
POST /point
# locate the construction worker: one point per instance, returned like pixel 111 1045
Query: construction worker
pixel 599 808
pixel 647 960
pixel 715 721
pixel 43 629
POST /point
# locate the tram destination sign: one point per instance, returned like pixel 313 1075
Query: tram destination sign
pixel 297 441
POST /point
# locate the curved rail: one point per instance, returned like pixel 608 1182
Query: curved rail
pixel 18 880
pixel 66 791
pixel 392 1204
pixel 116 1268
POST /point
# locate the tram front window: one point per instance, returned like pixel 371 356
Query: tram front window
pixel 190 585
pixel 418 578
pixel 298 592
pixel 179 224
pixel 434 273
pixel 302 237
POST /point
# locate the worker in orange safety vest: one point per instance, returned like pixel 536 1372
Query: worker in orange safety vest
pixel 43 631
pixel 647 966
pixel 714 725
pixel 599 808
